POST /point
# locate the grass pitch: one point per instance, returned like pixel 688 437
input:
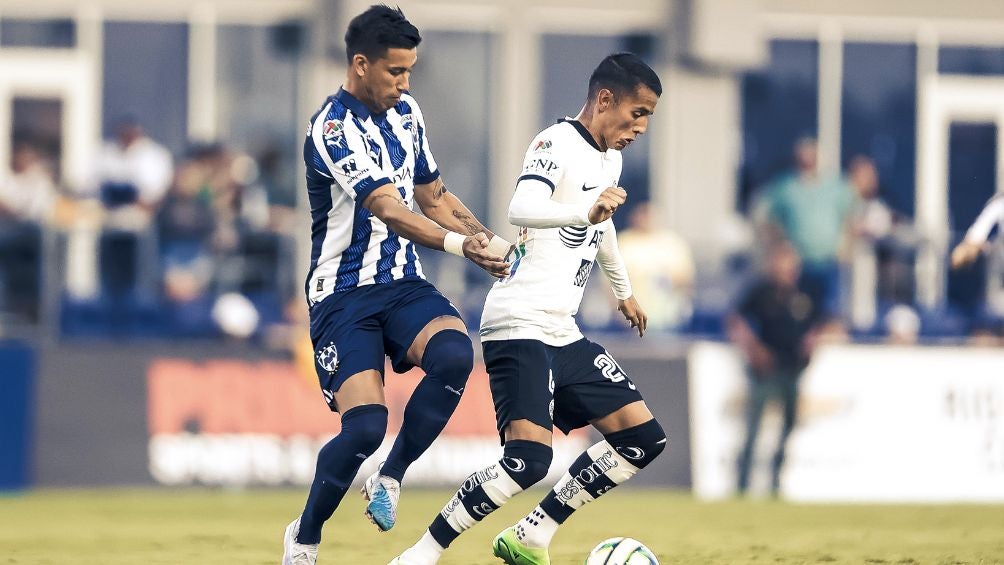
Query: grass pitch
pixel 113 527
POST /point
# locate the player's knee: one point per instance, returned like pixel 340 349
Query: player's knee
pixel 365 426
pixel 449 356
pixel 640 444
pixel 526 462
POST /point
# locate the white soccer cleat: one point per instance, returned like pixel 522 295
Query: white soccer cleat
pixel 294 553
pixel 383 493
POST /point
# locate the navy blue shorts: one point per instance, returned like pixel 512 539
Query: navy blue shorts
pixel 565 386
pixel 354 329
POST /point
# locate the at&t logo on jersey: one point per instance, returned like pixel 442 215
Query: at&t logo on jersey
pixel 327 358
pixel 573 236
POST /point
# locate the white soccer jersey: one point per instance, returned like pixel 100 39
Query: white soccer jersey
pixel 349 153
pixel 555 250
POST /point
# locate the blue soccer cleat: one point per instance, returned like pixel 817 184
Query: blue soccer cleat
pixel 383 493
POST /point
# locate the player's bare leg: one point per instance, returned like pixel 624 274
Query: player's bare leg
pixel 444 351
pixel 632 439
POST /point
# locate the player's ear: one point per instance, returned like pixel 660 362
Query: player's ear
pixel 360 64
pixel 604 99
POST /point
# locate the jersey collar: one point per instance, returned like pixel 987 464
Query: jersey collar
pixel 582 131
pixel 352 103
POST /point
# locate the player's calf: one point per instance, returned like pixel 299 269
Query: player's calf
pixel 363 429
pixel 447 362
pixel 523 464
pixel 600 468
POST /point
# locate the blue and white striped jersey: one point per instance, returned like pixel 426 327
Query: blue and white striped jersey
pixel 349 153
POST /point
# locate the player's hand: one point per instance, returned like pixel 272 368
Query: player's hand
pixel 476 249
pixel 606 204
pixel 965 253
pixel 634 314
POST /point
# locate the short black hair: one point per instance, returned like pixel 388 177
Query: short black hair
pixel 377 29
pixel 621 73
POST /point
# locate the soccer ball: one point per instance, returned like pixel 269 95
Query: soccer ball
pixel 621 551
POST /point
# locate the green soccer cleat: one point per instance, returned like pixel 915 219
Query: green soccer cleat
pixel 509 549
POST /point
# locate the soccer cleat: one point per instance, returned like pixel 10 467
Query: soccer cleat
pixel 295 553
pixel 383 493
pixel 510 550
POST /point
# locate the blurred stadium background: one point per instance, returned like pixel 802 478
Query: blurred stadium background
pixel 155 334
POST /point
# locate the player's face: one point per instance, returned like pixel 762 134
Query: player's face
pixel 627 117
pixel 387 78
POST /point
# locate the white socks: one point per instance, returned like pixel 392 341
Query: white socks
pixel 536 529
pixel 425 552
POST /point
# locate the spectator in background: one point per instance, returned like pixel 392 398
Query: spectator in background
pixel 812 211
pixel 27 197
pixel 884 233
pixel 661 267
pixel 776 326
pixel 132 175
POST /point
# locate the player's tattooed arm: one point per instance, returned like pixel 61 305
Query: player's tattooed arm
pixel 443 207
pixel 386 204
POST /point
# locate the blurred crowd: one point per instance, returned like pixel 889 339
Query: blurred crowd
pixel 201 244
pixel 152 244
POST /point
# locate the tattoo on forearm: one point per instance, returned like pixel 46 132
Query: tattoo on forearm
pixel 470 223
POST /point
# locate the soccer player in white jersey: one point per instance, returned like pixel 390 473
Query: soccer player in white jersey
pixel 368 159
pixel 975 242
pixel 542 371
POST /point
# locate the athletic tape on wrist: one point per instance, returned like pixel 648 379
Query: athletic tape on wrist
pixel 454 243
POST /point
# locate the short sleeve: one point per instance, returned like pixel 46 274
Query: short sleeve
pixel 542 161
pixel 342 152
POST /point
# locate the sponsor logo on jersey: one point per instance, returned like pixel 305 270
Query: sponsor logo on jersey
pixel 583 275
pixel 573 236
pixel 350 170
pixel 588 188
pixel 540 164
pixel 542 145
pixel 402 174
pixel 327 358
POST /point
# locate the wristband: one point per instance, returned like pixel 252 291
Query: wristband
pixel 454 243
pixel 499 247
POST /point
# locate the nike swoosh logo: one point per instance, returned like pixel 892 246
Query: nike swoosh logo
pixel 588 188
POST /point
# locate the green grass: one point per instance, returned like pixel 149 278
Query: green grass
pixel 112 527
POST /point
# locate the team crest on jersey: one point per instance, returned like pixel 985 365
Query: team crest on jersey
pixel 542 145
pixel 407 121
pixel 327 358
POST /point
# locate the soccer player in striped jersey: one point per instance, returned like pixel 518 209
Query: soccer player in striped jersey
pixel 975 242
pixel 542 371
pixel 368 160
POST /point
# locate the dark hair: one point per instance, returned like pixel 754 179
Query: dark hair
pixel 621 73
pixel 377 29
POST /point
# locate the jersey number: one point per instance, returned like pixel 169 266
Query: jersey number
pixel 610 369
